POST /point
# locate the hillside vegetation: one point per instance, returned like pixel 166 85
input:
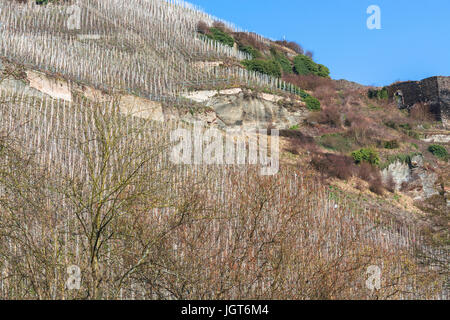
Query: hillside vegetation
pixel 89 194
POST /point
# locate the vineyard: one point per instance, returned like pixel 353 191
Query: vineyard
pixel 91 207
pixel 145 47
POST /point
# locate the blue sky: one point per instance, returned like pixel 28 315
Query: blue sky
pixel 414 42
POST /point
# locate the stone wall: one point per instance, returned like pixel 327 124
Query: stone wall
pixel 444 99
pixel 435 91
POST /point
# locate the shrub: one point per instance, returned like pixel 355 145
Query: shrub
pixel 312 103
pixel 392 144
pixel 366 171
pixel 309 82
pixel 270 67
pixel 251 51
pixel 249 39
pixel 220 36
pixel 333 165
pixel 304 65
pixel 371 174
pixel 438 151
pixel 297 135
pixel 327 96
pixel 282 60
pixel 390 183
pixel 366 154
pixel 297 140
pixel 378 94
pixel 295 46
pixel 323 71
pixel 202 27
pixel 376 185
pixel 383 94
pixel 220 25
pixel 291 45
pixel 361 131
pixel 330 115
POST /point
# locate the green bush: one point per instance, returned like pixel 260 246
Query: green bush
pixel 366 154
pixel 282 60
pixel 220 36
pixel 323 71
pixel 304 65
pixel 270 67
pixel 251 51
pixel 378 94
pixel 383 95
pixel 392 144
pixel 438 151
pixel 312 103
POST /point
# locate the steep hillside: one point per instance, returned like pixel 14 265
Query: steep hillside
pixel 94 97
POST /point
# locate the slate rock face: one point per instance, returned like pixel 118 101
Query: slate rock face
pixel 434 91
pixel 255 112
pixel 420 182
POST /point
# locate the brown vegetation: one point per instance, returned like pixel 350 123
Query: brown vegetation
pixel 291 45
pixel 334 165
pixel 105 199
pixel 309 82
pixel 250 39
pixel 202 27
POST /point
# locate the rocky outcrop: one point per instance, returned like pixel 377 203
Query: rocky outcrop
pixel 224 108
pixel 434 91
pixel 142 108
pixel 245 108
pixel 400 173
pixel 55 88
pixel 413 178
pixel 437 138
